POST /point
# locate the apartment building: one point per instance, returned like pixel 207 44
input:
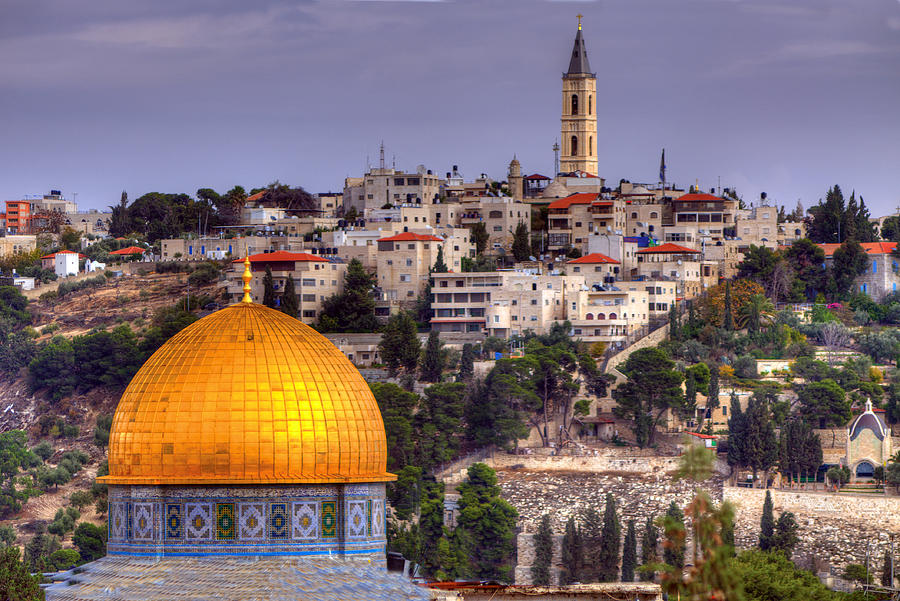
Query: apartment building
pixel 405 260
pixel 501 215
pixel 675 263
pixel 381 186
pixel 882 274
pixel 18 216
pixel 574 220
pixel 315 279
pixel 14 244
pixel 702 215
pixel 596 268
pixel 757 226
pixel 216 248
pixel 608 315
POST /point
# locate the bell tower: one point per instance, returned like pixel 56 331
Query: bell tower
pixel 579 112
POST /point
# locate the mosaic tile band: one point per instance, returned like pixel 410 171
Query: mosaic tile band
pixel 300 520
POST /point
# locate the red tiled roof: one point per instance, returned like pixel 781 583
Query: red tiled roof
pixel 705 436
pixel 582 198
pixel 594 258
pixel 871 248
pixel 63 252
pixel 131 250
pixel 669 247
pixel 257 196
pixel 411 237
pixel 281 255
pixel 697 196
pixel 536 176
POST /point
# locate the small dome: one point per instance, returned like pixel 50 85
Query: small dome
pixel 556 189
pixel 247 395
pixel 868 420
pixel 639 190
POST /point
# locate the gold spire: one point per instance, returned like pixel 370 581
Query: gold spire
pixel 579 21
pixel 247 277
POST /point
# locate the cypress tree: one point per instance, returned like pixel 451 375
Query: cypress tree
pixel 289 302
pixel 649 545
pixel 466 363
pixel 728 317
pixel 785 537
pixel 269 289
pixel 439 265
pixel 674 555
pixel 610 542
pixel 674 327
pixel 629 553
pixel 432 360
pixel 572 554
pixel 886 579
pixel 543 553
pixel 591 529
pixel 736 455
pixel 728 536
pixel 767 524
pixel 521 246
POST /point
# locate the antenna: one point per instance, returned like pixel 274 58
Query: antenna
pixel 556 157
pixel 381 155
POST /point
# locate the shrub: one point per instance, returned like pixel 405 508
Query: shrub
pixel 65 559
pixel 101 430
pixel 204 275
pixel 90 540
pixel 81 499
pixel 43 449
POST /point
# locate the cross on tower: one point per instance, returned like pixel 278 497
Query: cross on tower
pixel 579 21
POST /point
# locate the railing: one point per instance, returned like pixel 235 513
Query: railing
pixel 447 469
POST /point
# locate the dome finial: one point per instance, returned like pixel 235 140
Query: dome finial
pixel 247 277
pixel 579 21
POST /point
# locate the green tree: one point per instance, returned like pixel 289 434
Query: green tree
pixel 439 265
pixel 16 583
pixel 828 222
pixel 696 381
pixel 610 541
pixel 758 264
pixel 653 387
pixel 7 536
pixel 13 307
pixel 673 549
pixel 849 260
pixel 887 573
pixel 38 551
pixel 353 310
pixel 90 540
pixel 488 522
pixel 290 305
pixel 521 246
pixel 767 524
pixel 757 311
pixel 466 363
pixel 543 553
pixel 480 237
pixel 771 576
pixel 400 346
pixel 102 428
pixel 438 423
pixel 649 550
pixel 432 359
pixel 760 447
pixel 824 403
pixel 629 553
pixel 857 573
pixel 433 534
pixel 119 221
pixel 397 407
pixel 808 261
pixel 890 229
pixel 591 534
pixel 728 318
pixel 502 403
pixel 799 449
pixel 785 536
pixel 572 554
pixel 269 288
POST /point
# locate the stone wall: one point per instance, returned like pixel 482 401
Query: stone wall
pixel 636 461
pixel 652 339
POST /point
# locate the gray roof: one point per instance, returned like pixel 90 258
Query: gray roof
pixel 870 421
pixel 232 578
pixel 579 61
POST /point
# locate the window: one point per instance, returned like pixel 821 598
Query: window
pixel 577 224
pixel 515 302
pixel 410 246
pixel 574 105
pixel 409 262
pixel 308 298
pixel 398 181
pixel 654 215
pixel 495 215
pixel 534 301
pixel 590 104
pixel 405 277
pixel 591 145
pixel 724 410
pixel 443 284
pixel 498 228
pixel 634 215
pixel 308 282
pixel 309 313
pixel 574 146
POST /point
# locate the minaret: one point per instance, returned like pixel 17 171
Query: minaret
pixel 515 179
pixel 579 112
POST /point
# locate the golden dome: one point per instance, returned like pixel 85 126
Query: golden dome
pixel 247 395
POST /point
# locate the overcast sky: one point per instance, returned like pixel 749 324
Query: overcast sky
pixel 165 95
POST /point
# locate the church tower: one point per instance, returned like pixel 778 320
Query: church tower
pixel 579 112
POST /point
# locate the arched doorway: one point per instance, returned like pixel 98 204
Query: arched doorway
pixel 864 469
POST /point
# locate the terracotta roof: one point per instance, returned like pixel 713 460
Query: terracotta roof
pixel 63 252
pixel 594 258
pixel 131 250
pixel 704 436
pixel 582 198
pixel 697 196
pixel 871 248
pixel 257 196
pixel 536 176
pixel 411 237
pixel 281 255
pixel 669 247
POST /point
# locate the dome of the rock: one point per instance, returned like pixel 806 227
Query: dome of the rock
pixel 247 395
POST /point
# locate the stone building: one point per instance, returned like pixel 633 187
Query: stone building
pixel 247 460
pixel 578 131
pixel 881 276
pixel 13 244
pixel 868 444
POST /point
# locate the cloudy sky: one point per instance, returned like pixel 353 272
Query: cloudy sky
pixel 785 97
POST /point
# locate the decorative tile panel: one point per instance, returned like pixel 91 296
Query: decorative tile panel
pixel 198 521
pixel 356 519
pixel 142 522
pixel 174 521
pixel 279 521
pixel 225 527
pixel 305 520
pixel 377 517
pixel 118 529
pixel 329 519
pixel 252 521
pixel 369 517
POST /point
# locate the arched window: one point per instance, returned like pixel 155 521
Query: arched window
pixel 589 316
pixel 574 145
pixel 601 316
pixel 654 215
pixel 612 316
pixel 634 215
pixel 590 104
pixel 574 104
pixel 495 214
